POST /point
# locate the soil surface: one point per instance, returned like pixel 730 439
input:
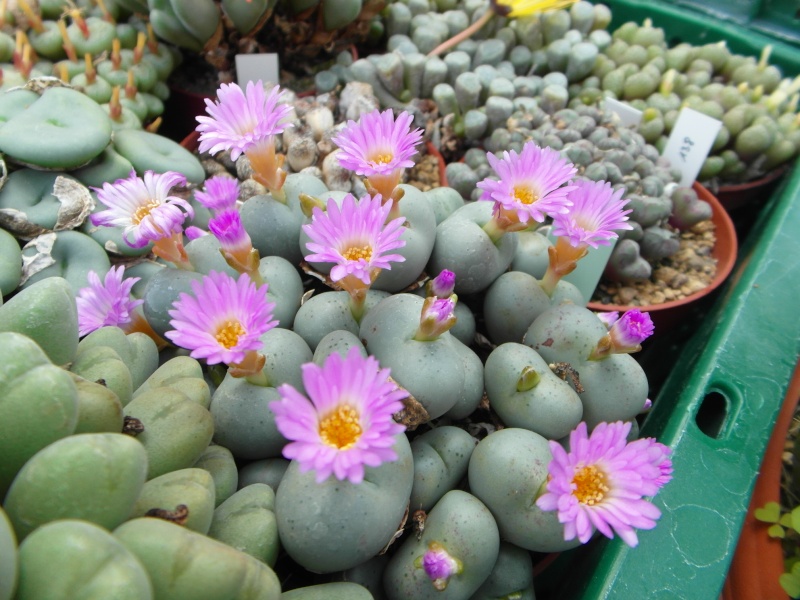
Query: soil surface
pixel 686 272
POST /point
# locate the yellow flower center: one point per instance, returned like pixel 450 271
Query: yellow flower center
pixel 525 195
pixel 382 159
pixel 341 428
pixel 228 334
pixel 141 212
pixel 591 485
pixel 356 253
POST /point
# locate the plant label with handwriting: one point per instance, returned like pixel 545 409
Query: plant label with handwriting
pixel 690 142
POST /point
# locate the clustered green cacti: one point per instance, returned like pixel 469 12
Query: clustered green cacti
pixel 758 108
pixel 602 151
pixel 566 58
pixel 99 48
pixel 221 28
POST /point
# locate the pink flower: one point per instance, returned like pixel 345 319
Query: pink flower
pixel 595 216
pixel 228 229
pixel 377 144
pixel 224 320
pixel 106 304
pixel 355 237
pixel 143 207
pixel 530 184
pixel 601 482
pixel 438 565
pixel 630 330
pixel 221 193
pixel 608 317
pixel 437 317
pixel 443 284
pixel 346 422
pixel 241 119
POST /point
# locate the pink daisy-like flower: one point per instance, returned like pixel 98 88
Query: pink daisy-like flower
pixel 378 144
pixel 221 193
pixel 379 148
pixel 346 422
pixel 241 119
pixel 595 216
pixel 224 319
pixel 356 237
pixel 602 481
pixel 530 184
pixel 106 303
pixel 143 207
pixel 438 565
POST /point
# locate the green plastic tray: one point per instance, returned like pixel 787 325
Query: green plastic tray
pixel 685 25
pixel 716 411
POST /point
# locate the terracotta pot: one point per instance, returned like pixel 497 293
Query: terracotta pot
pixel 758 562
pixel 735 196
pixel 670 313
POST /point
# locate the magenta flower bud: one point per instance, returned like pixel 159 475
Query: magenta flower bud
pixel 228 229
pixel 221 193
pixel 438 565
pixel 602 482
pixel 437 317
pixel 442 285
pixel 630 330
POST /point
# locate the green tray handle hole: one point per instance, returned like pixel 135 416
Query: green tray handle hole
pixel 712 414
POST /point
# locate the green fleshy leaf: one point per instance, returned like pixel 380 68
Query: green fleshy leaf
pixel 790 584
pixel 769 513
pixel 776 531
pixel 795 516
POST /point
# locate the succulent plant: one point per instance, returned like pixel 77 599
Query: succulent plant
pixel 757 106
pixel 98 48
pixel 297 29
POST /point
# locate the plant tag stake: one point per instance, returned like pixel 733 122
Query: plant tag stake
pixel 590 268
pixel 255 67
pixel 628 116
pixel 690 142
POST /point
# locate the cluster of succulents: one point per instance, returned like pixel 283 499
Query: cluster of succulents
pixel 271 435
pixel 757 106
pixel 503 60
pixel 567 58
pixel 220 29
pixel 602 150
pixel 97 48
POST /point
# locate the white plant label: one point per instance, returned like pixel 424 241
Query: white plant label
pixel 690 142
pixel 255 67
pixel 628 116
